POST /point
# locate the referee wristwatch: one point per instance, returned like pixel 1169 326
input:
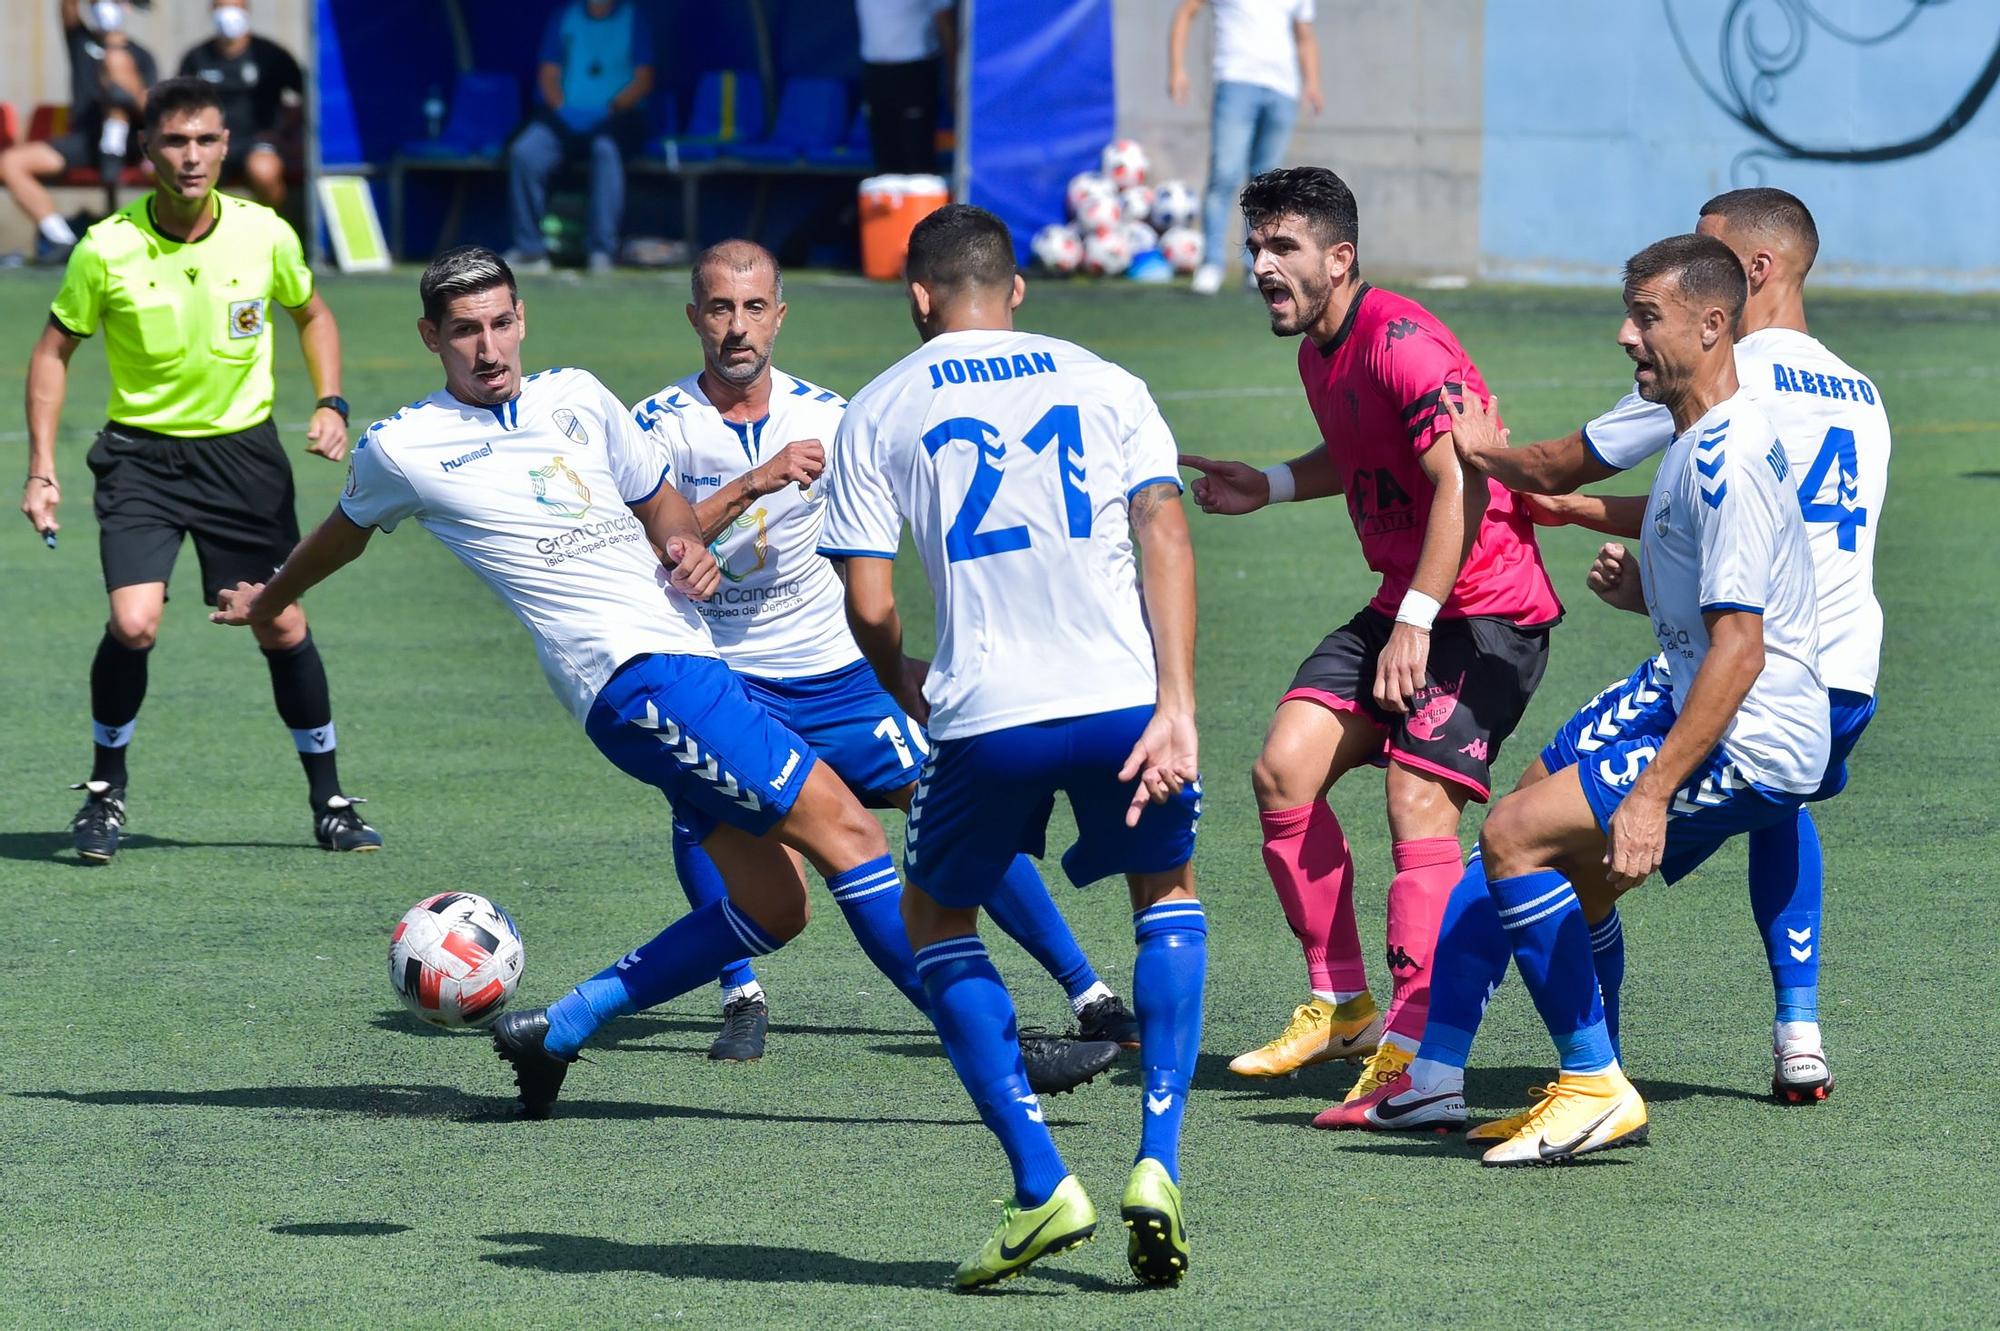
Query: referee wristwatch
pixel 334 400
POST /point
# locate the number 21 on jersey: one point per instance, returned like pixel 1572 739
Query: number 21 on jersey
pixel 1059 425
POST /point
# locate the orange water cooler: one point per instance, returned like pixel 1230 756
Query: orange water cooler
pixel 891 207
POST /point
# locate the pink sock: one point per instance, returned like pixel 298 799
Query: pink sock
pixel 1306 854
pixel 1426 872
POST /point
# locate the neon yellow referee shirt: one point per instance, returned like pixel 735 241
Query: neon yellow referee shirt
pixel 187 327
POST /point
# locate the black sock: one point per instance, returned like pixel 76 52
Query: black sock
pixel 298 683
pixel 117 687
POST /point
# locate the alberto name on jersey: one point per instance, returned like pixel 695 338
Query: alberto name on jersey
pixel 779 614
pixel 534 496
pixel 1015 487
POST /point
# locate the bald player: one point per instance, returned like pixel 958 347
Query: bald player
pixel 1835 431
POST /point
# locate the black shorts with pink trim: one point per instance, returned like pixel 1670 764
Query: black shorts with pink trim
pixel 1477 683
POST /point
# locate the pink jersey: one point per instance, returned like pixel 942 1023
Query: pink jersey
pixel 1374 391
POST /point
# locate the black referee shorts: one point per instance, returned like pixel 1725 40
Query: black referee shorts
pixel 231 492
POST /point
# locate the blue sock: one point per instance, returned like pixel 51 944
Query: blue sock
pixel 1468 965
pixel 702 882
pixel 871 899
pixel 1544 923
pixel 684 954
pixel 1024 910
pixel 1166 989
pixel 1787 881
pixel 975 1020
pixel 1607 952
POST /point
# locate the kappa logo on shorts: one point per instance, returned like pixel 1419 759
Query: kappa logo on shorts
pixel 571 427
pixel 246 318
pixel 1432 708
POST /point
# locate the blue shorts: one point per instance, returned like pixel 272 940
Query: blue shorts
pixel 854 726
pixel 1851 714
pixel 984 799
pixel 1613 738
pixel 685 725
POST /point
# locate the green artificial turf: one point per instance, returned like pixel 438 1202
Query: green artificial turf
pixel 213 1110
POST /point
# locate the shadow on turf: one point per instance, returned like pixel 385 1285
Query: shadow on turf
pixel 582 1254
pixel 38 847
pixel 448 1102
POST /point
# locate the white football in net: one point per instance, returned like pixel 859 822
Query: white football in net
pixel 1183 248
pixel 1174 204
pixel 1058 248
pixel 1125 162
pixel 1106 251
pixel 455 959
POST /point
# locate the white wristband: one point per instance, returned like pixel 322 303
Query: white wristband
pixel 1284 488
pixel 1418 610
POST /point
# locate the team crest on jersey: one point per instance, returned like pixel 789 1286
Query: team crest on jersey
pixel 760 545
pixel 571 427
pixel 560 490
pixel 246 318
pixel 1663 516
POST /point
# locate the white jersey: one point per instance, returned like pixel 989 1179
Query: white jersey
pixel 1254 42
pixel 781 613
pixel 1836 435
pixel 1723 532
pixel 533 496
pixel 1012 456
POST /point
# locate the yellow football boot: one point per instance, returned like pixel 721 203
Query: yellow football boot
pixel 1578 1114
pixel 1157 1247
pixel 1500 1129
pixel 1319 1032
pixel 1387 1063
pixel 1028 1234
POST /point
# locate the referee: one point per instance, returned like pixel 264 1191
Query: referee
pixel 182 281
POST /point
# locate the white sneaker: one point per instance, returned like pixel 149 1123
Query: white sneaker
pixel 602 265
pixel 1207 280
pixel 527 265
pixel 1800 1075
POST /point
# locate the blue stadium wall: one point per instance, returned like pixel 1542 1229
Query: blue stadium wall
pixel 1607 124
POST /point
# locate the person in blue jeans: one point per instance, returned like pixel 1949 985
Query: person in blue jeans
pixel 595 75
pixel 1266 62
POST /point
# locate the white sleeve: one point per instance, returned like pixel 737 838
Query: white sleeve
pixel 377 493
pixel 1151 456
pixel 861 513
pixel 1740 511
pixel 668 432
pixel 1629 433
pixel 637 461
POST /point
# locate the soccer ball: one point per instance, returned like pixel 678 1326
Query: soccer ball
pixel 1106 251
pixel 1082 186
pixel 1136 203
pixel 1058 248
pixel 455 959
pixel 1183 247
pixel 1125 162
pixel 1174 204
pixel 1097 211
pixel 1139 238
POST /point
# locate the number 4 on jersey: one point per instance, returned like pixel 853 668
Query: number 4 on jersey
pixel 1837 449
pixel 1060 425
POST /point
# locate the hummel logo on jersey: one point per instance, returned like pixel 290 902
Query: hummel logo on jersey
pixel 1399 328
pixel 453 464
pixel 1399 960
pixel 1159 1104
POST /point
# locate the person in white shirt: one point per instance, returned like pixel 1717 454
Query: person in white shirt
pixel 1835 430
pixel 746 443
pixel 1028 470
pixel 546 488
pixel 908 48
pixel 1265 62
pixel 1725 732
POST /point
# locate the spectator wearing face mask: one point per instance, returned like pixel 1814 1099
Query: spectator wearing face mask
pixel 262 93
pixel 109 74
pixel 595 75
